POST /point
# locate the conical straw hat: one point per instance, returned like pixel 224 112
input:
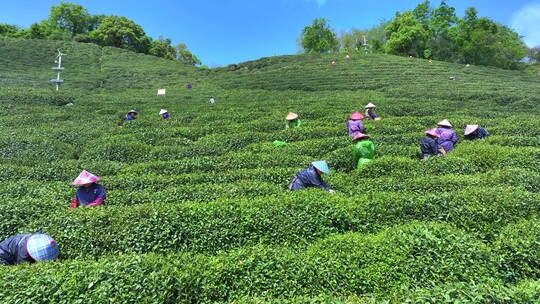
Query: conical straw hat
pixel 357 116
pixel 85 178
pixel 445 123
pixel 42 247
pixel 321 166
pixel 291 116
pixel 163 111
pixel 433 132
pixel 370 105
pixel 359 136
pixel 471 128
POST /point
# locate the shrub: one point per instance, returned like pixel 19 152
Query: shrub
pixel 518 248
pixel 374 264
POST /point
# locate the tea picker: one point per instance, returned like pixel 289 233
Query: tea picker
pixel 447 137
pixel 355 125
pixel 164 114
pixel 363 150
pixel 30 248
pixel 292 121
pixel 89 193
pixel 429 145
pixel 311 177
pixel 212 100
pixel 475 132
pixel 369 111
pixel 131 115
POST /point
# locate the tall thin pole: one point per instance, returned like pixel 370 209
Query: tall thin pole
pixel 366 45
pixel 58 74
pixel 59 69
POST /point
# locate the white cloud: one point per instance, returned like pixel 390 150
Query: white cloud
pixel 319 2
pixel 526 22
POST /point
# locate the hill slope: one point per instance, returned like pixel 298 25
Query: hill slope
pixel 198 209
pixel 28 63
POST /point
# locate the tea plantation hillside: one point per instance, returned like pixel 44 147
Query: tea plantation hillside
pixel 28 63
pixel 198 209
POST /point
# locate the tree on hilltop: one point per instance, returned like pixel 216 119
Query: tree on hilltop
pixel 184 55
pixel 481 41
pixel 70 18
pixel 122 33
pixel 406 35
pixel 68 21
pixel 319 37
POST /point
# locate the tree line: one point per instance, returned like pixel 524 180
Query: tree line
pixel 428 32
pixel 69 21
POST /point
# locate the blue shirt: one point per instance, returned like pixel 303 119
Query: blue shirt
pixel 130 117
pixel 166 116
pixel 86 197
pixel 13 250
pixel 308 178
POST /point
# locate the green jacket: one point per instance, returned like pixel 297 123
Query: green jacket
pixel 293 123
pixel 364 149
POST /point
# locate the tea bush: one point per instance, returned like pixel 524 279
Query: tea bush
pixel 198 209
pixel 519 249
pixel 345 264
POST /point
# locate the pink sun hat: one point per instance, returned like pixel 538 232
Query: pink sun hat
pixel 357 116
pixel 291 116
pixel 445 123
pixel 471 128
pixel 85 178
pixel 359 136
pixel 433 132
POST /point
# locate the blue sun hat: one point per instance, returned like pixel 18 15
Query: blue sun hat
pixel 42 247
pixel 321 166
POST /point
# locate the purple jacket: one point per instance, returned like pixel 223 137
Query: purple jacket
pixel 355 126
pixel 448 139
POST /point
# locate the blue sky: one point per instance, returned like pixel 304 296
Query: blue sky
pixel 222 32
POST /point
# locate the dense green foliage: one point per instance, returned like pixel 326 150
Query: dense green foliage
pixel 68 21
pixel 438 33
pixel 197 208
pixel 319 37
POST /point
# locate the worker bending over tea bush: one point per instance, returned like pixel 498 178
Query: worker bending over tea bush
pixel 311 177
pixel 164 114
pixel 429 145
pixel 475 132
pixel 355 125
pixel 28 248
pixel 447 137
pixel 131 115
pixel 363 150
pixel 292 120
pixel 89 193
pixel 369 112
